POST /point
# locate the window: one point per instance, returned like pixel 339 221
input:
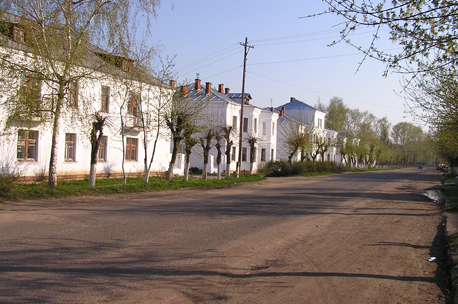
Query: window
pixel 18 34
pixel 255 127
pixel 102 155
pixel 273 128
pixel 70 147
pixel 234 122
pixel 131 148
pixel 264 128
pixel 320 122
pixel 30 88
pixel 233 153
pixel 245 124
pixel 27 145
pixel 105 97
pixel 272 154
pixel 132 106
pixel 263 154
pixel 244 153
pixel 72 94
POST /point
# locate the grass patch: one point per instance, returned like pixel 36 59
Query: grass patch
pixel 114 186
pixel 450 178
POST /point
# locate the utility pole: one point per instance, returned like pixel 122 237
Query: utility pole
pixel 245 53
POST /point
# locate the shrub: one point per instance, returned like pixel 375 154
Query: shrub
pixel 195 170
pixel 283 168
pixel 8 182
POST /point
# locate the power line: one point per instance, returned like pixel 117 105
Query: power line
pixel 209 57
pixel 299 87
pixel 201 67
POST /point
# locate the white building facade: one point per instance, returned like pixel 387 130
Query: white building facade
pixel 224 110
pixel 25 143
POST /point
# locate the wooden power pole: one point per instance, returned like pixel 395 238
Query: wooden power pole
pixel 245 53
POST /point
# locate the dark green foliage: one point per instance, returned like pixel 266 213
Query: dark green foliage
pixel 283 168
pixel 194 170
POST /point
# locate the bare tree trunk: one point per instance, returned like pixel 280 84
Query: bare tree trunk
pixel 92 174
pixel 176 143
pixel 251 168
pixel 186 166
pixel 152 157
pixel 204 171
pixel 219 171
pixel 228 170
pixel 124 181
pixel 52 175
pixel 96 138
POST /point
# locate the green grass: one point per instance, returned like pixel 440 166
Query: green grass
pixel 113 186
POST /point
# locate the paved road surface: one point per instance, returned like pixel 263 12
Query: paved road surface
pixel 351 238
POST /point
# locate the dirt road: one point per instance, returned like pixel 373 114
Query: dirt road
pixel 351 238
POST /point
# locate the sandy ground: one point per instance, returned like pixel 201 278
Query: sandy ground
pixel 372 247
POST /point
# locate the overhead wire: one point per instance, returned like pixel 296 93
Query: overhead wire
pixel 233 50
pixel 309 90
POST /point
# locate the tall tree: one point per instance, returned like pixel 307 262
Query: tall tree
pixel 52 43
pixel 336 114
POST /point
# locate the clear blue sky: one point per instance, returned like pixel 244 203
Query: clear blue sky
pixel 290 58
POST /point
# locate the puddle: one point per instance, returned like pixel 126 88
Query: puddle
pixel 436 195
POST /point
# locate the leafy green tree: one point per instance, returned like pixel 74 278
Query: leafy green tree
pixel 336 113
pixel 296 138
pixel 407 138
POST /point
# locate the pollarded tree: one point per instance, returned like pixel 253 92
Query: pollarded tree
pixel 252 143
pixel 53 42
pixel 206 141
pixel 182 114
pixel 218 139
pixel 296 137
pixel 190 141
pixel 228 133
pixel 96 138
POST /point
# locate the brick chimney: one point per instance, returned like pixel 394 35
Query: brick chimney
pixel 227 90
pixel 283 111
pixel 292 99
pixel 271 109
pixel 172 83
pixel 197 85
pixel 221 88
pixel 208 87
pixel 184 91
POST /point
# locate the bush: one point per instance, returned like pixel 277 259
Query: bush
pixel 283 168
pixel 195 170
pixel 8 182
